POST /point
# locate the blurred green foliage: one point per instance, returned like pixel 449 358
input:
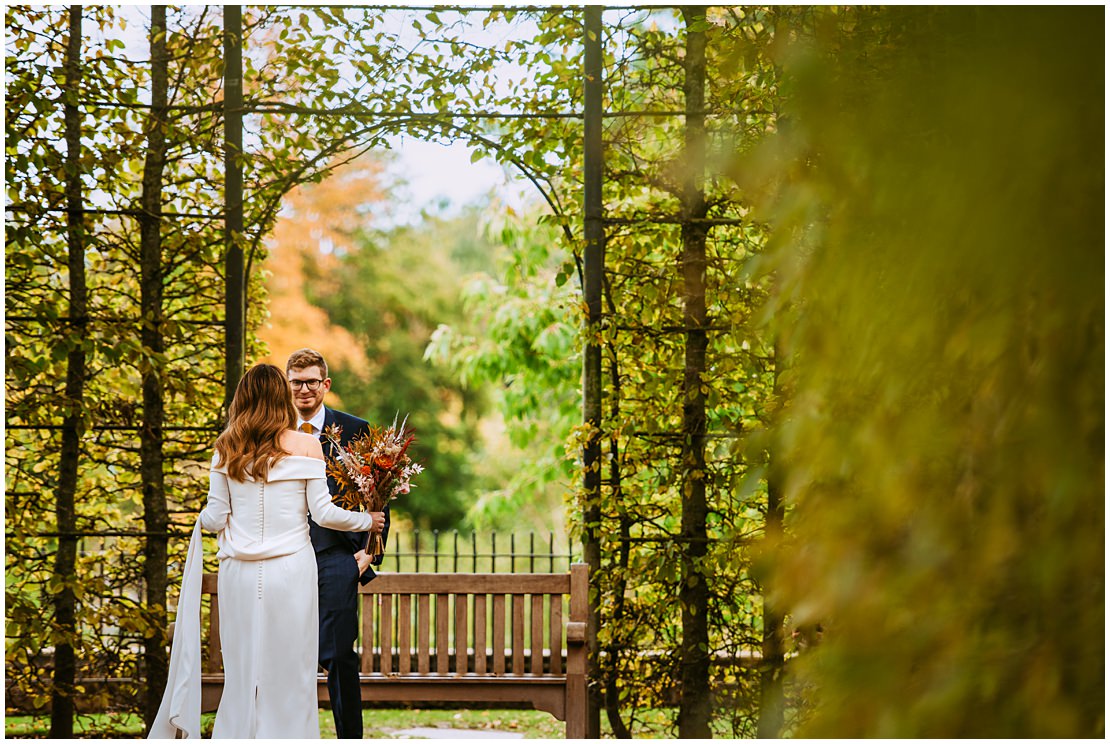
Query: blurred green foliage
pixel 937 193
pixel 515 339
pixel 391 293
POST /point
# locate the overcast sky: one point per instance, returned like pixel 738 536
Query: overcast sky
pixel 429 173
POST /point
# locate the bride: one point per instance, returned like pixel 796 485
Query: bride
pixel 265 479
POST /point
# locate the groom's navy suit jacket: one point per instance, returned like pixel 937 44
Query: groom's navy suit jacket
pixel 324 537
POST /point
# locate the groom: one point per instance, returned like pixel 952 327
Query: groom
pixel 341 561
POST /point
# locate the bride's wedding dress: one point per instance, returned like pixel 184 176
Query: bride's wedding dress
pixel 269 628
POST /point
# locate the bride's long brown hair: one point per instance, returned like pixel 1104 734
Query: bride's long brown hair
pixel 260 411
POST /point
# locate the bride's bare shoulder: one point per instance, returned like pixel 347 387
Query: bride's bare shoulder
pixel 301 444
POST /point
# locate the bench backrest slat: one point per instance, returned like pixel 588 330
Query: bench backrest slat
pixel 462 634
pixel 443 656
pixel 537 634
pixel 479 633
pixel 423 632
pixel 404 634
pixel 366 664
pixel 385 637
pixel 518 634
pixel 498 634
pixel 556 612
pixel 215 661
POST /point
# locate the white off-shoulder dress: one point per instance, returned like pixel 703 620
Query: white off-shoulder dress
pixel 269 626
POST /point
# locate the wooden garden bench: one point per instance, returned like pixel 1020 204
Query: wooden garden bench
pixel 491 639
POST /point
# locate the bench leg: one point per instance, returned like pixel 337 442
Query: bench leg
pixel 576 707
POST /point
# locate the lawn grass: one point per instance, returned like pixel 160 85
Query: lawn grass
pixel 92 726
pixel 377 724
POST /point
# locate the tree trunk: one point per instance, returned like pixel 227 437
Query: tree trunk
pixel 594 268
pixel 771 708
pixel 151 435
pixel 235 308
pixel 695 708
pixel 614 648
pixel 65 561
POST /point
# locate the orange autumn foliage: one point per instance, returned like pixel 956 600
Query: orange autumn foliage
pixel 317 222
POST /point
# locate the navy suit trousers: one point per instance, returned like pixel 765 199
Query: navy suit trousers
pixel 337 572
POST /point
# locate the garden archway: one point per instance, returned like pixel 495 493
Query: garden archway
pixel 647 313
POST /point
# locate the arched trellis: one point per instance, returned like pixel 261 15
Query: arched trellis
pixel 591 267
pixel 694 222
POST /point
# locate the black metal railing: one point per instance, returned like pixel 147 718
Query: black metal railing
pixel 432 551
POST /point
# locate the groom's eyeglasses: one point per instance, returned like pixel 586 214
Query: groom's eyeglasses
pixel 310 384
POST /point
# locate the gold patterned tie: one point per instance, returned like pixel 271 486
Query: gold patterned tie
pixel 306 427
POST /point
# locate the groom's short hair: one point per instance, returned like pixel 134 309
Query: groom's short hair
pixel 304 358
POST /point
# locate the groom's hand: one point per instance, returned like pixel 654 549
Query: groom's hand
pixel 363 561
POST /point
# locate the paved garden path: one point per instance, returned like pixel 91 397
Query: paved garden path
pixel 431 732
